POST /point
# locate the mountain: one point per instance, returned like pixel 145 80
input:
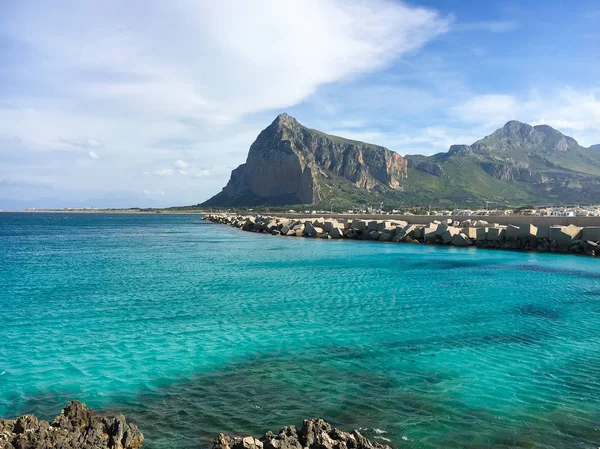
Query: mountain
pixel 291 164
pixel 595 147
pixel 518 164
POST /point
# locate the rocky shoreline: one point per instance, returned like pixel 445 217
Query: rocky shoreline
pixel 314 434
pixel 78 427
pixel 526 237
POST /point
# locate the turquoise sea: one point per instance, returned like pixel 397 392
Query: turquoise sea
pixel 192 328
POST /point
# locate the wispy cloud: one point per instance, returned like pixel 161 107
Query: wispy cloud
pixel 93 154
pixel 87 142
pixel 162 172
pixel 202 174
pixel 181 164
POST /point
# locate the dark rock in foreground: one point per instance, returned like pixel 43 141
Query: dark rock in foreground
pixel 314 434
pixel 76 427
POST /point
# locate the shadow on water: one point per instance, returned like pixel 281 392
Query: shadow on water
pixel 537 311
pixel 569 272
pixel 414 406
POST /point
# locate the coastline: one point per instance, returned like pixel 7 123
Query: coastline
pixel 78 426
pixel 565 239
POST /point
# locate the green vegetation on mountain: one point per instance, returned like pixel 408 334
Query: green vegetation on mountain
pixel 516 165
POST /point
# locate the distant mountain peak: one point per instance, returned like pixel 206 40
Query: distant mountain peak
pixel 284 119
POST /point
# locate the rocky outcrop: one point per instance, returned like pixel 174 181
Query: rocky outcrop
pixel 460 150
pixel 426 167
pixel 526 237
pixel 288 161
pixel 507 172
pixel 77 427
pixel 314 434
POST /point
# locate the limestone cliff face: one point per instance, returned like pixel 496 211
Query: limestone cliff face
pixel 287 161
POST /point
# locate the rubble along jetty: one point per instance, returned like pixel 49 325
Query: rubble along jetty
pixel 76 427
pixel 314 434
pixel 479 233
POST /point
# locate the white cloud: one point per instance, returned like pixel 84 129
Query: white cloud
pixel 162 172
pixel 181 164
pixel 571 111
pixel 87 142
pixel 93 155
pixel 155 71
pixel 202 174
pixel 182 172
pixel 489 109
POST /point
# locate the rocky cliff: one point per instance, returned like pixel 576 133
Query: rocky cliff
pixel 291 164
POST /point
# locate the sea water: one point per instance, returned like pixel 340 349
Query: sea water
pixel 191 328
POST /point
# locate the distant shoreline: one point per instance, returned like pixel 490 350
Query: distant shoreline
pixel 106 211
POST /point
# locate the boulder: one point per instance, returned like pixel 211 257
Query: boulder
pixel 543 232
pixel 76 427
pixel 430 233
pixel 591 234
pixel 448 235
pixel 470 232
pixel 406 231
pixel 419 232
pixel 359 225
pixel 440 229
pixel 331 224
pixel 495 234
pixel 461 240
pixel 336 233
pixel 527 231
pixel 374 235
pixel 386 226
pixel 511 233
pixel 564 234
pixel 310 230
pixel 385 236
pixel 591 248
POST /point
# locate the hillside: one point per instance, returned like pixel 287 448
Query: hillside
pixel 517 165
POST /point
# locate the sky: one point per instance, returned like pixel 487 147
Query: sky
pixel 111 103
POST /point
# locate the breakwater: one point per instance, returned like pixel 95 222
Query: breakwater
pixel 479 233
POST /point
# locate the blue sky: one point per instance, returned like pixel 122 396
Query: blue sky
pixel 110 103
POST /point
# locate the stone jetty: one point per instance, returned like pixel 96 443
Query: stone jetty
pixel 314 434
pixel 76 427
pixel 478 233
